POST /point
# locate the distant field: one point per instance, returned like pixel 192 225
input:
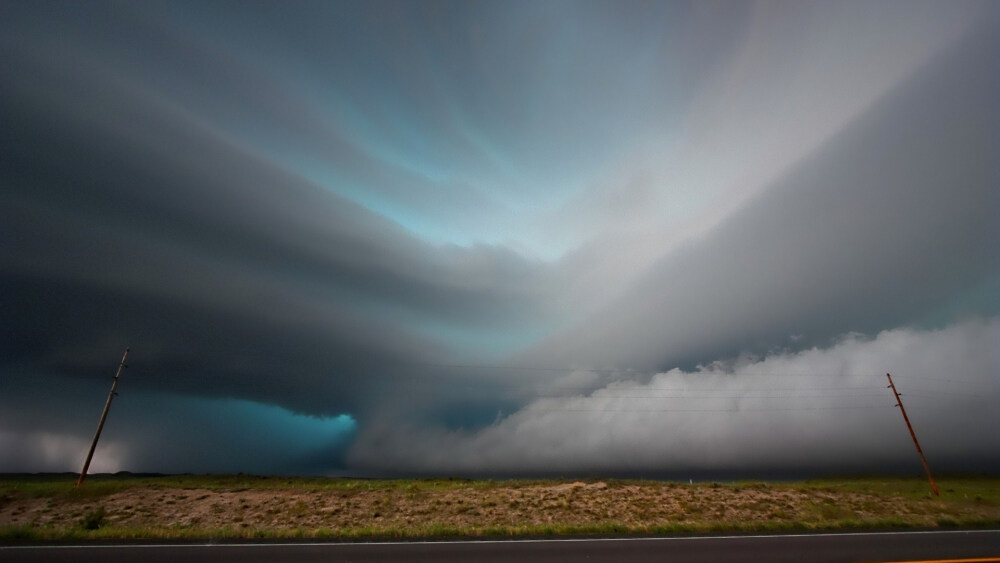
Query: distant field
pixel 34 508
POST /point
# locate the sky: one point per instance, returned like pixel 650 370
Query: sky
pixel 500 238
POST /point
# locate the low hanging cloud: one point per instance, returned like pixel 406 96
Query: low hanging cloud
pixel 162 432
pixel 42 451
pixel 815 409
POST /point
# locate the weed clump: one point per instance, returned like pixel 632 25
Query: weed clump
pixel 93 520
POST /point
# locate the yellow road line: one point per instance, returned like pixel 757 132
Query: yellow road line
pixel 979 560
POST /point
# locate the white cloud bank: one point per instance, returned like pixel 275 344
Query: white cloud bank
pixel 815 410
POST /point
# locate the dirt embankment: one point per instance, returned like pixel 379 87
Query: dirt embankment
pixel 407 510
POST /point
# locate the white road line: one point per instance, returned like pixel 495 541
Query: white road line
pixel 333 542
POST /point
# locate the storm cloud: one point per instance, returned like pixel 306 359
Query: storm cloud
pixel 797 412
pixel 373 235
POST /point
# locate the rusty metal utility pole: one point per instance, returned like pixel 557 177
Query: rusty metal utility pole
pixel 104 416
pixel 906 419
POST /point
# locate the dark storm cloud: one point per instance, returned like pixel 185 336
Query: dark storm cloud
pixel 293 214
pixel 126 220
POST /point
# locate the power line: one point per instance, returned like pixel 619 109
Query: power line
pixel 626 394
pixel 728 410
pixel 628 371
pixel 681 374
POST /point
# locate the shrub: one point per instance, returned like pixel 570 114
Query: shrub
pixel 93 520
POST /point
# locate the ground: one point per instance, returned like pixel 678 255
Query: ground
pixel 49 507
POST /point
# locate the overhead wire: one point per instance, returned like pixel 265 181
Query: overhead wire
pixel 843 397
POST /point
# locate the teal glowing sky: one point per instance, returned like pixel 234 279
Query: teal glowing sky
pixel 355 223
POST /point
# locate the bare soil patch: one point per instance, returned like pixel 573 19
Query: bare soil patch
pixel 426 508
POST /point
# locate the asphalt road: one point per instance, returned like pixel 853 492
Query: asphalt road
pixel 891 546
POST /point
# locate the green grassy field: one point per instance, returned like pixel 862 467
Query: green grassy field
pixel 51 508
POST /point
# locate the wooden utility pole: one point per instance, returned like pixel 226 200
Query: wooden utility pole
pixel 104 416
pixel 906 419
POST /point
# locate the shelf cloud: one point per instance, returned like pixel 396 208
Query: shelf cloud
pixel 785 413
pixel 374 234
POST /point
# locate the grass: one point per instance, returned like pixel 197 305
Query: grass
pixel 95 486
pixel 986 488
pixel 196 507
